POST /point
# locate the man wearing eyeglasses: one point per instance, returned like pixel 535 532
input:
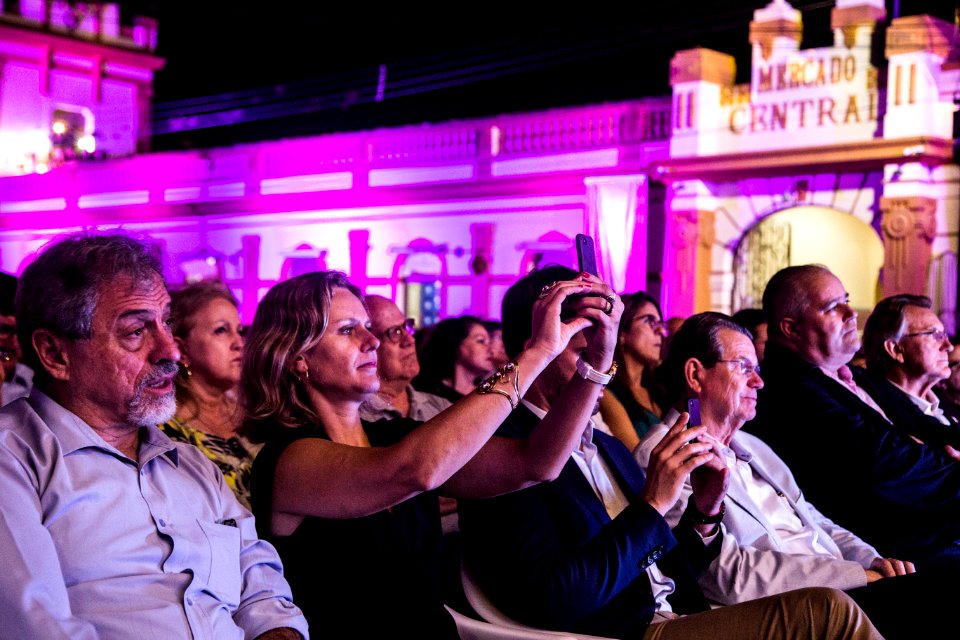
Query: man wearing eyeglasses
pixel 908 353
pixel 861 468
pixel 948 390
pixel 397 365
pixel 773 539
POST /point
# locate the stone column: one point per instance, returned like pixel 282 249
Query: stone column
pixel 908 227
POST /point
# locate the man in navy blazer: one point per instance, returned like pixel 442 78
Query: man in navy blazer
pixel 863 471
pixel 590 552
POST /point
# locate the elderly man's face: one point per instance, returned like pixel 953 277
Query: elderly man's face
pixel 924 356
pixel 123 374
pixel 953 382
pixel 728 394
pixel 397 354
pixel 827 327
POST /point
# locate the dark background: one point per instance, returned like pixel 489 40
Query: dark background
pixel 285 69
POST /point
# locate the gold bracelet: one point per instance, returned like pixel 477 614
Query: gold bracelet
pixel 490 384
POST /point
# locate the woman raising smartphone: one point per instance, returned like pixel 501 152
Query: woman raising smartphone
pixel 348 504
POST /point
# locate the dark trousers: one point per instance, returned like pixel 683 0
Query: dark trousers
pixel 919 605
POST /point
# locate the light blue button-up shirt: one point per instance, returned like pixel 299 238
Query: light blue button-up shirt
pixel 96 545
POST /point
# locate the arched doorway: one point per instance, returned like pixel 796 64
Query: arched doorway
pixel 851 249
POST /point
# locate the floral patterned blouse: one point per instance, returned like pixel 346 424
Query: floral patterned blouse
pixel 233 455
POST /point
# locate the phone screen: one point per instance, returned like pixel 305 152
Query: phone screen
pixel 693 408
pixel 586 254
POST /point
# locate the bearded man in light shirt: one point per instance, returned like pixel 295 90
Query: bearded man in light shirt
pixel 773 539
pixel 110 530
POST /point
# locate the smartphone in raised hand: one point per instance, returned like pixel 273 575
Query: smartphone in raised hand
pixel 693 409
pixel 586 254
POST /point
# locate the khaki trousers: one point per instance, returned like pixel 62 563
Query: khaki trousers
pixel 802 614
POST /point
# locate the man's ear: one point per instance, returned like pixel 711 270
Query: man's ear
pixel 693 374
pixel 53 354
pixel 894 350
pixel 789 329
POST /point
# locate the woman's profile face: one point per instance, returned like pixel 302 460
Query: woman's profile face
pixel 214 345
pixel 643 338
pixel 343 365
pixel 475 354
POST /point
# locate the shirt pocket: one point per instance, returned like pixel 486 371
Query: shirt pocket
pixel 223 578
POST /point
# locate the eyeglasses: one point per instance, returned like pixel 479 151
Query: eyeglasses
pixel 395 333
pixel 937 334
pixel 652 321
pixel 745 366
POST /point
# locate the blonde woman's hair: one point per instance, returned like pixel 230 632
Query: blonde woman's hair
pixel 289 322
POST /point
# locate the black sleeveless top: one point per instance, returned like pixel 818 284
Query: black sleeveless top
pixel 641 418
pixel 378 576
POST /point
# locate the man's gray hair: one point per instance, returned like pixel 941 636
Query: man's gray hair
pixel 59 291
pixel 698 337
pixel 888 322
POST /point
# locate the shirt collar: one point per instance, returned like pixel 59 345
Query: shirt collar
pixel 74 434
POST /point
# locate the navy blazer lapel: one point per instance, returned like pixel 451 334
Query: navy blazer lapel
pixel 577 486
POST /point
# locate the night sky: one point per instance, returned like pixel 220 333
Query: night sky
pixel 298 70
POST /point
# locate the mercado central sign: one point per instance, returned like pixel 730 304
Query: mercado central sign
pixel 824 96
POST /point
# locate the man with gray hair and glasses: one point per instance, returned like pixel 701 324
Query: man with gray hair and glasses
pixel 908 353
pixel 397 366
pixel 862 470
pixel 109 529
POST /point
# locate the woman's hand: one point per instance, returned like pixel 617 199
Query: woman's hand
pixel 549 333
pixel 603 308
pixel 592 304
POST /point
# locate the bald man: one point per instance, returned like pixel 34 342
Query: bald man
pixel 397 365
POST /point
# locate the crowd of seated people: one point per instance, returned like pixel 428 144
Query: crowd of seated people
pixel 155 427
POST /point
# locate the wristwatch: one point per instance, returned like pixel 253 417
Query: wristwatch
pixel 700 518
pixel 589 373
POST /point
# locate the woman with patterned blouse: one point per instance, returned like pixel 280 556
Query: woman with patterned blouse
pixel 206 327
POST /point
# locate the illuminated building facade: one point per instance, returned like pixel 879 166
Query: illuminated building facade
pixel 696 198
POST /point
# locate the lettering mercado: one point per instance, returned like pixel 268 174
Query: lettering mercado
pixel 833 107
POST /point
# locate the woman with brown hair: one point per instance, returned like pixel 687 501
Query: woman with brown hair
pixel 350 505
pixel 631 404
pixel 207 329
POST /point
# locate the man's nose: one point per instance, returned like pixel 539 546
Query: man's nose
pixel 165 347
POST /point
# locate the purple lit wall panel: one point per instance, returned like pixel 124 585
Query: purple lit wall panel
pixel 22 103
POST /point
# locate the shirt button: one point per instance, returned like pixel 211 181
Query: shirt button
pixel 163 522
pixel 189 602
